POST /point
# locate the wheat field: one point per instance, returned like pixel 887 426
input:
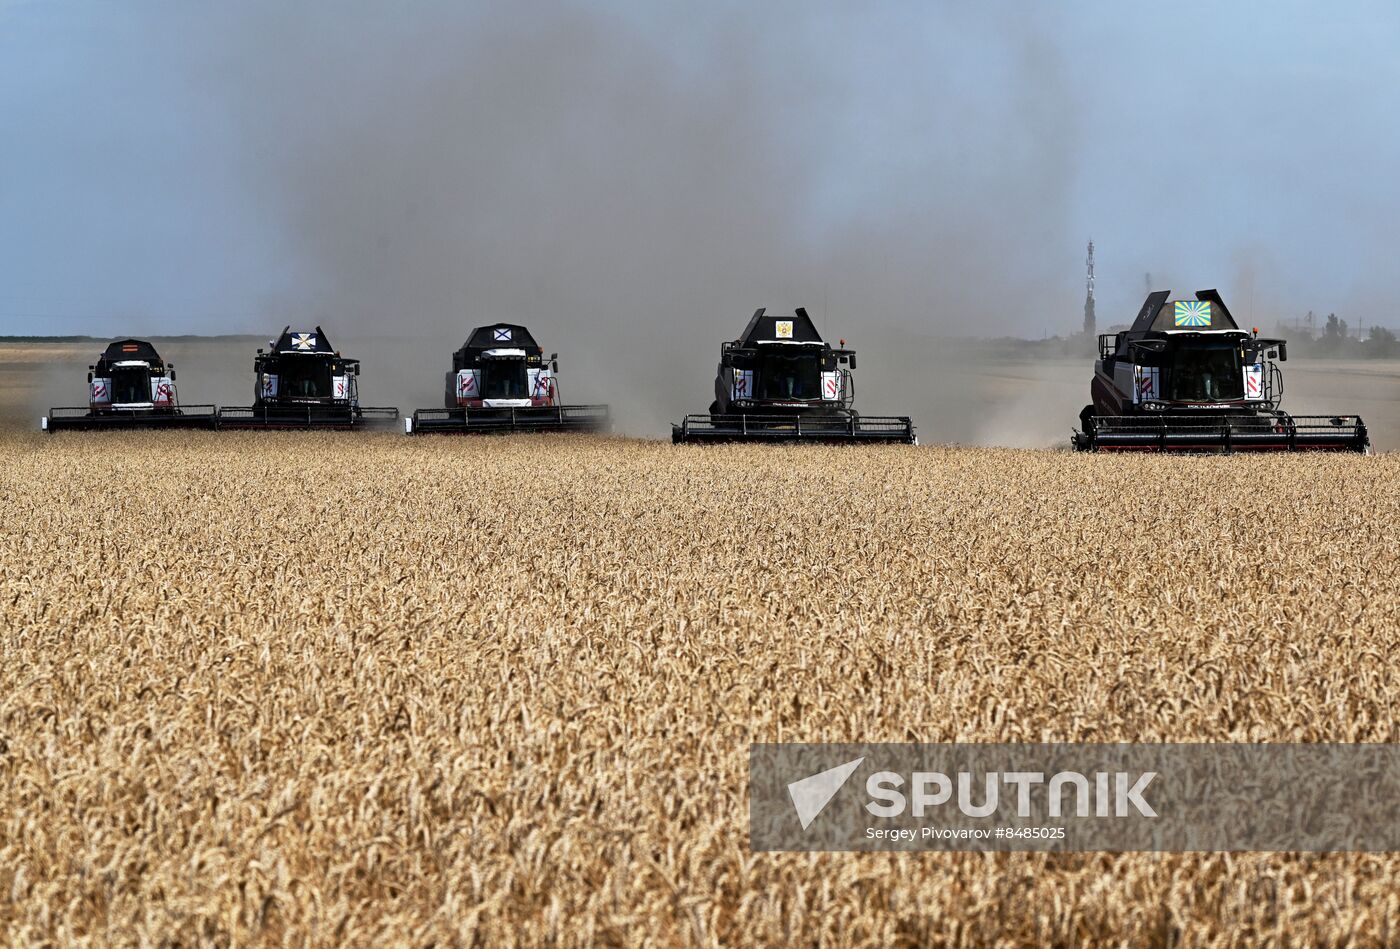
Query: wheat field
pixel 358 688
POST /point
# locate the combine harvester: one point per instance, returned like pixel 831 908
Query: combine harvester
pixel 304 383
pixel 130 387
pixel 1185 378
pixel 501 383
pixel 780 382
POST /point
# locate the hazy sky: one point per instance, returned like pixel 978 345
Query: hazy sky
pixel 418 167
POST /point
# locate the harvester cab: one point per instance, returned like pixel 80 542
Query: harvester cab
pixel 301 381
pixel 1186 377
pixel 130 386
pixel 501 382
pixel 780 381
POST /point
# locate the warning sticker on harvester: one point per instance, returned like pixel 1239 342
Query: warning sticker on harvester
pixel 1254 382
pixel 783 329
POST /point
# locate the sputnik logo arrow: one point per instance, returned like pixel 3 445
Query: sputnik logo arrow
pixel 810 796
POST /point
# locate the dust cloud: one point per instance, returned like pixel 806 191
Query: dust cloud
pixel 629 183
pixel 633 203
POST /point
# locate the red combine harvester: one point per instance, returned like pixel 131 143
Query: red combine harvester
pixel 130 386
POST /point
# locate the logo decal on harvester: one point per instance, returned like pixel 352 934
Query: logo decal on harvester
pixel 810 796
pixel 304 341
pixel 502 334
pixel 783 329
pixel 1192 313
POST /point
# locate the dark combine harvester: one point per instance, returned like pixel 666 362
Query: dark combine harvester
pixel 304 383
pixel 130 387
pixel 1185 378
pixel 779 381
pixel 501 382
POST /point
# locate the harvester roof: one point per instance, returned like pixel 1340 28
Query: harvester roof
pixel 130 350
pixel 1160 314
pixel 299 341
pixel 763 328
pixel 501 336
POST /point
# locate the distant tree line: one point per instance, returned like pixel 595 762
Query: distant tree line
pixel 1335 339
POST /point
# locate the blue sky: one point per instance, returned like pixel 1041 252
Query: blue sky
pixel 214 167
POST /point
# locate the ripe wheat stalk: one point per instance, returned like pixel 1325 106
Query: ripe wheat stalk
pixel 366 689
